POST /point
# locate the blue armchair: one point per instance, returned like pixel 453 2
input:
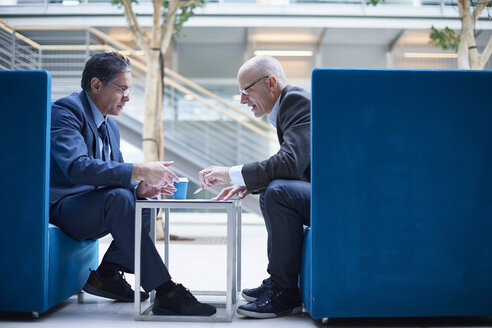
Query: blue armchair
pixel 40 265
pixel 401 221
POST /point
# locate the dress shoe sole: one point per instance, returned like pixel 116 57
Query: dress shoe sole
pixel 248 298
pixel 261 315
pixel 98 292
pixel 158 311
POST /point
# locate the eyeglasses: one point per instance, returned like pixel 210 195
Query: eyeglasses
pixel 126 92
pixel 245 90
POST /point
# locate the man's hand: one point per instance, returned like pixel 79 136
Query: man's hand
pixel 145 190
pixel 214 175
pixel 228 192
pixel 154 173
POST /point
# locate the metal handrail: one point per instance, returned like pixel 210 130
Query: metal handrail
pixel 211 95
pixel 217 108
pixel 137 62
pixel 11 30
pixel 177 76
pixel 216 136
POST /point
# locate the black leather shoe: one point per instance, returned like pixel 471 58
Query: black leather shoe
pixel 273 303
pixel 115 288
pixel 253 294
pixel 179 301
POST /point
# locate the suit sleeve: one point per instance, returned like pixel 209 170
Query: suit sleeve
pixel 293 158
pixel 70 146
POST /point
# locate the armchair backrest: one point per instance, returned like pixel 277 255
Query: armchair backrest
pixel 401 193
pixel 24 163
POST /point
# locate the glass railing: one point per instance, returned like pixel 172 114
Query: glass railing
pixel 194 117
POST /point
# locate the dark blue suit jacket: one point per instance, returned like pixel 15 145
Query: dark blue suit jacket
pixel 76 165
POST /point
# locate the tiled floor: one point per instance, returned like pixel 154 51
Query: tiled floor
pixel 200 265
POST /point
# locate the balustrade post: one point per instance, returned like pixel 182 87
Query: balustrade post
pixel 12 58
pixel 87 43
pixel 40 58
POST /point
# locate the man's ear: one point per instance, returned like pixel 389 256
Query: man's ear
pixel 96 85
pixel 272 82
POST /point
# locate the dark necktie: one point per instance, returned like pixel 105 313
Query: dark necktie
pixel 103 133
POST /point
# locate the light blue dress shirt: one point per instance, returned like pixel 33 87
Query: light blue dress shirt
pixel 98 119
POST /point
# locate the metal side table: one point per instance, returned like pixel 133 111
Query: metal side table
pixel 225 310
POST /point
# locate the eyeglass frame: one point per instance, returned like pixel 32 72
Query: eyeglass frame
pixel 245 92
pixel 126 92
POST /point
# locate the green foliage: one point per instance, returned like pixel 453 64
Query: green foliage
pixel 444 39
pixel 183 15
pixel 118 2
pixel 374 2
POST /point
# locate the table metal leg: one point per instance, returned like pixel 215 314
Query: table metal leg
pixel 153 214
pixel 231 232
pixel 239 246
pixel 233 260
pixel 234 252
pixel 138 246
pixel 166 237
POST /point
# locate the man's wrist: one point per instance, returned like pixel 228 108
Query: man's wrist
pixel 137 192
pixel 137 171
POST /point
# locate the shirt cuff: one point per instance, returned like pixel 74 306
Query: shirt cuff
pixel 236 175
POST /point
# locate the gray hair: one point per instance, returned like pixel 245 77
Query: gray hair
pixel 265 65
pixel 105 66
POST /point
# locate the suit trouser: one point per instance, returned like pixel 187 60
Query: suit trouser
pixel 286 207
pixel 94 214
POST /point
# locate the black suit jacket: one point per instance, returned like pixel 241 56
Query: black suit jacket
pixel 293 160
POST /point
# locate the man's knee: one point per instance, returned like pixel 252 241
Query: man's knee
pixel 289 194
pixel 275 190
pixel 120 197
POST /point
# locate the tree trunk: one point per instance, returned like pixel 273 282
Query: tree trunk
pixel 161 35
pixel 463 61
pixel 151 130
pixel 467 26
pixel 160 95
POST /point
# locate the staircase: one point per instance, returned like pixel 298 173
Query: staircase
pixel 200 128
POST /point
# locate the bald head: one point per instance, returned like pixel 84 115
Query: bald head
pixel 263 65
pixel 261 81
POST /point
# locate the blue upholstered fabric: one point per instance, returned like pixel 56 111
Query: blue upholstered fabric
pixel 39 266
pixel 306 274
pixel 401 194
pixel 69 264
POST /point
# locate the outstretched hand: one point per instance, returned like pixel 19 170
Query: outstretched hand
pixel 154 173
pixel 145 190
pixel 214 175
pixel 227 193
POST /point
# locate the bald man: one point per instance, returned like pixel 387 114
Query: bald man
pixel 283 180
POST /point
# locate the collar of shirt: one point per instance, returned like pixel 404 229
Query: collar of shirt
pixel 273 115
pixel 98 118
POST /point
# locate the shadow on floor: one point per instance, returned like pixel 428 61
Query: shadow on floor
pixel 408 322
pixel 29 317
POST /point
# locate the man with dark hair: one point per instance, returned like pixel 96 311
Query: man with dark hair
pixel 93 191
pixel 283 181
